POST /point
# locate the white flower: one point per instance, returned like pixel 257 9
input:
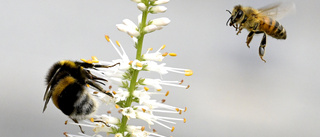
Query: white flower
pixel 158 2
pixel 158 9
pixel 141 6
pixel 137 65
pixel 129 27
pixel 160 21
pixel 142 95
pixel 121 95
pixel 150 28
pixel 129 112
pixel 118 135
pixel 156 56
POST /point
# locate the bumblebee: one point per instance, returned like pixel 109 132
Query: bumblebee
pixel 67 87
pixel 258 21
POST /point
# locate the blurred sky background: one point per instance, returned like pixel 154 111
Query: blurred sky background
pixel 233 93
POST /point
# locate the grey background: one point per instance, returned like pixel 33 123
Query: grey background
pixel 233 93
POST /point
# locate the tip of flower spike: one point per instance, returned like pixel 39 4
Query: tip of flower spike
pixel 142 128
pixel 173 54
pixel 188 72
pixel 146 88
pixel 172 128
pixel 184 120
pixel 162 47
pixel 167 93
pixel 107 38
pixel 91 119
pixel 118 43
pixel 165 54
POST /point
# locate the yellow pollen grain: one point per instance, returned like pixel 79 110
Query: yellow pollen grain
pixel 91 119
pixel 165 54
pixel 158 89
pixel 177 109
pixel 173 54
pixel 162 47
pixel 167 93
pixel 138 64
pixel 146 88
pixel 188 87
pixel 144 110
pixel 107 38
pixel 150 49
pixel 172 128
pixel 118 43
pixel 117 106
pixel 185 109
pixel 142 128
pixel 184 120
pixel 188 72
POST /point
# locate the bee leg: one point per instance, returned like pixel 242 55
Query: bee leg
pixel 249 38
pixel 262 47
pixel 76 121
pixel 95 85
pixel 103 66
pixel 240 28
pixel 95 78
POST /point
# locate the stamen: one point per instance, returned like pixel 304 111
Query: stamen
pixel 181 82
pixel 130 63
pixel 184 120
pixel 158 89
pixel 177 109
pixel 163 100
pixel 65 133
pixel 107 38
pixel 110 87
pixel 114 92
pixel 92 120
pixel 185 109
pixel 180 112
pixel 173 54
pixel 96 92
pixel 188 86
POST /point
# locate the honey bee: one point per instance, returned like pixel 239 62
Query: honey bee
pixel 67 87
pixel 258 21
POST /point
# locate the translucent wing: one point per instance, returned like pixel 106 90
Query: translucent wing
pixel 277 10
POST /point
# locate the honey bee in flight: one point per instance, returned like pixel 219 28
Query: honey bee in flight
pixel 258 21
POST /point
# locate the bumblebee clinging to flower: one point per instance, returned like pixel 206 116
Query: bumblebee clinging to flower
pixel 258 21
pixel 67 86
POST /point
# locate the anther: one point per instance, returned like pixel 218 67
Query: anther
pixel 109 112
pixel 149 49
pixel 117 106
pixel 172 128
pixel 138 64
pixel 118 43
pixel 185 109
pixel 65 133
pixel 92 120
pixel 173 54
pixel 167 93
pixel 144 110
pixel 188 72
pixel 154 130
pixel 162 47
pixel 177 109
pixel 184 120
pixel 142 128
pixel 107 38
pixel 66 122
pixel 130 63
pixel 114 92
pixel 163 100
pixel 165 54
pixel 146 88
pixel 188 87
pixel 158 89
pixel 181 82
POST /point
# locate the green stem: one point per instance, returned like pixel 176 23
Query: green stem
pixel 133 82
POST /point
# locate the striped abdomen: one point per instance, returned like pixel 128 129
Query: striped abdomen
pixel 272 28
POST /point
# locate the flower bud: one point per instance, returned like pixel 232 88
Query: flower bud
pixel 141 6
pixel 160 21
pixel 158 2
pixel 158 9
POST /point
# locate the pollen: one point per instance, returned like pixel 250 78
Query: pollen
pixel 184 120
pixel 142 128
pixel 165 54
pixel 185 109
pixel 146 88
pixel 138 64
pixel 172 128
pixel 167 93
pixel 107 38
pixel 117 106
pixel 158 89
pixel 188 72
pixel 118 43
pixel 162 47
pixel 173 54
pixel 91 119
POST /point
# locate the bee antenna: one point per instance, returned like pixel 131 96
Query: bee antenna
pixel 229 11
pixel 228 21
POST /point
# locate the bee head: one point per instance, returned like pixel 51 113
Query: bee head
pixel 236 15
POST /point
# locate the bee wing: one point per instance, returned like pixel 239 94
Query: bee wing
pixel 48 93
pixel 277 10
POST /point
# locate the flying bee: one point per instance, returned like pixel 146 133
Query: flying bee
pixel 258 21
pixel 67 87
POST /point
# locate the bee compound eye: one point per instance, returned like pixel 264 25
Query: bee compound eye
pixel 239 14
